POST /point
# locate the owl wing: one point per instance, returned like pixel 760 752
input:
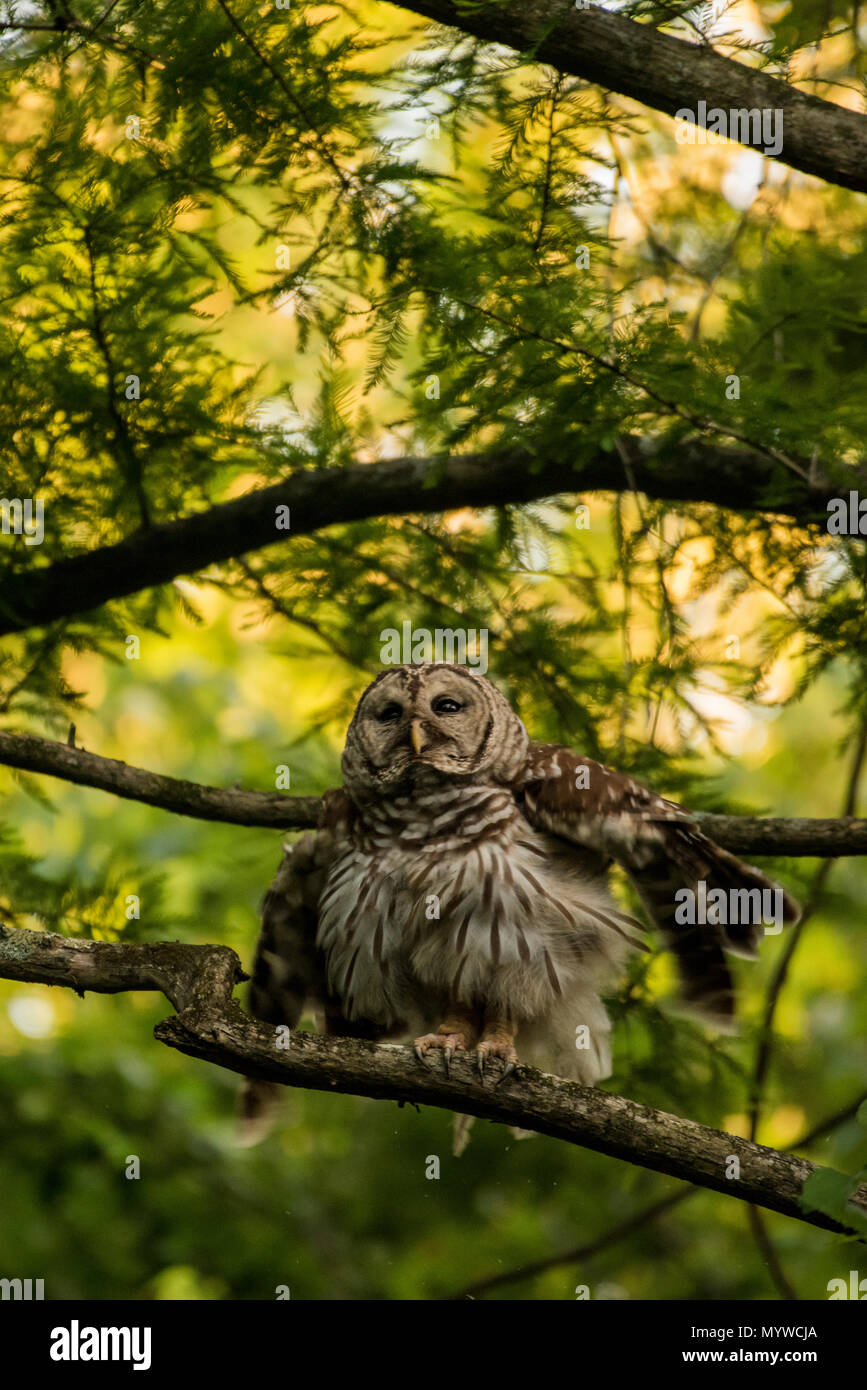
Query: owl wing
pixel 611 814
pixel 289 970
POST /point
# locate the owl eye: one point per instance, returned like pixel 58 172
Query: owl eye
pixel 446 705
pixel 390 713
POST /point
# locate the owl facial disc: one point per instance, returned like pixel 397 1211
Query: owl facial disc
pixel 426 725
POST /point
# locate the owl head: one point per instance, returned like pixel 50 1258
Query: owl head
pixel 422 726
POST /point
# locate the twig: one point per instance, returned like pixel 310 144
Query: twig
pixel 639 1219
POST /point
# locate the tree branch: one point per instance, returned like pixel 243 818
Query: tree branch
pixel 696 470
pixel 199 980
pixel 801 838
pixel 195 978
pixel 528 1099
pixel 579 1252
pixel 267 809
pixel 667 74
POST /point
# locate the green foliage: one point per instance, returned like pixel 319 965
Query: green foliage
pixel 254 213
pixel 828 1191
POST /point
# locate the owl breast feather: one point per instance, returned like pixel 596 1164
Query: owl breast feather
pixel 505 918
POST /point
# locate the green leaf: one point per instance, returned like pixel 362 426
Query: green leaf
pixel 828 1191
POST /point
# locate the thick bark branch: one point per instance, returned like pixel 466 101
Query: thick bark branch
pixel 667 74
pixel 272 810
pixel 196 978
pixel 689 471
pixel 802 837
pixel 530 1099
pixel 198 981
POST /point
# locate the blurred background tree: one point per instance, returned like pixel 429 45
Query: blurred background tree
pixel 245 241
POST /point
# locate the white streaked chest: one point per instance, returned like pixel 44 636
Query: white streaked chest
pixel 454 880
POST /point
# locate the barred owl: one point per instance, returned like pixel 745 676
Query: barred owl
pixel 455 891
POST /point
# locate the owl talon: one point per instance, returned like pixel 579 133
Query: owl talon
pixel 450 1039
pixel 500 1045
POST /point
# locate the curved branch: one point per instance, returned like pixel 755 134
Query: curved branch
pixel 579 1252
pixel 696 470
pixel 231 805
pixel 529 1099
pixel 667 74
pixel 199 981
pixel 809 838
pixel 195 978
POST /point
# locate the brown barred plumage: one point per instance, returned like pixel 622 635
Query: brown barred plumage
pixel 457 887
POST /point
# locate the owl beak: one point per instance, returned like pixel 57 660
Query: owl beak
pixel 416 734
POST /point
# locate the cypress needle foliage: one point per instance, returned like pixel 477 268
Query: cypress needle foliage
pixel 239 241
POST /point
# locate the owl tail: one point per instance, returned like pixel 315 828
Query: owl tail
pixel 259 1102
pixel 286 973
pixel 461 1128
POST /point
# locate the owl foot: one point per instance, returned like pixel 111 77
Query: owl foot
pixel 450 1037
pixel 497 1045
